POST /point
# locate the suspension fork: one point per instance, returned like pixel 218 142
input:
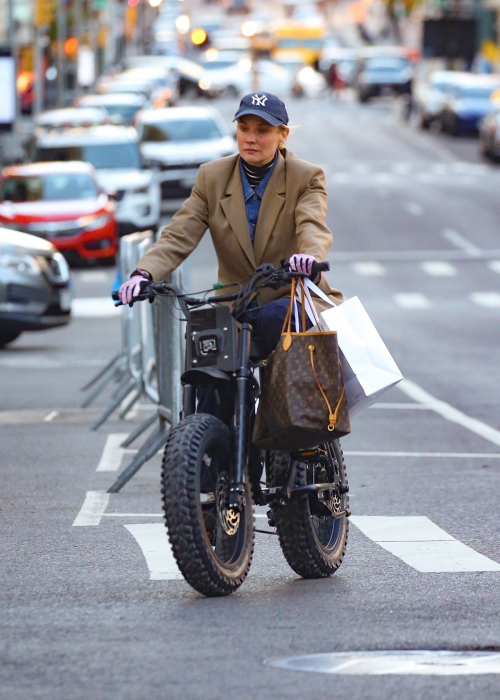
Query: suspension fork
pixel 241 420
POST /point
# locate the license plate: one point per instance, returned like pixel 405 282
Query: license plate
pixel 65 299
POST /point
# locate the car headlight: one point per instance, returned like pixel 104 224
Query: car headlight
pixel 91 223
pixel 20 262
pixel 141 190
pixel 62 265
pixel 204 84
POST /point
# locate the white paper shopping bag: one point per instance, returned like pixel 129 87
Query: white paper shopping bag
pixel 369 368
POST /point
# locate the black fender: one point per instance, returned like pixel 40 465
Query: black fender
pixel 205 376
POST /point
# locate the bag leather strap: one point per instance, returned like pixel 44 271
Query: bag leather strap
pixel 332 416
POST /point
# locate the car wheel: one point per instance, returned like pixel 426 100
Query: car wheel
pixel 8 336
pixel 231 91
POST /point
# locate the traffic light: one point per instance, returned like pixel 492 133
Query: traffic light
pixel 45 11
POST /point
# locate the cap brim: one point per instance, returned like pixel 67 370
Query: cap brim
pixel 259 113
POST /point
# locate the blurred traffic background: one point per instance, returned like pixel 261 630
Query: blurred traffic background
pixel 109 107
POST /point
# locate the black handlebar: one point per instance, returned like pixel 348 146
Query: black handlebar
pixel 158 287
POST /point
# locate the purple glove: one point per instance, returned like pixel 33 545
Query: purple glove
pixel 301 262
pixel 132 288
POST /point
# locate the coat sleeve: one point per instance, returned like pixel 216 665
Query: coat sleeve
pixel 181 236
pixel 313 235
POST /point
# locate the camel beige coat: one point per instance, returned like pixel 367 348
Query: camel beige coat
pixel 291 220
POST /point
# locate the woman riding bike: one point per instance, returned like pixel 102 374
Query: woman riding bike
pixel 261 206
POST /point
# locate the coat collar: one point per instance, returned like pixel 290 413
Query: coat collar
pixel 233 206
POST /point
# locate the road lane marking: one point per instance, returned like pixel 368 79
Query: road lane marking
pixel 439 268
pixel 450 413
pixel 93 276
pixel 410 255
pixel 444 455
pixel 488 300
pixel 422 544
pixel 369 269
pixel 153 540
pixel 50 416
pixel 92 510
pixel 412 300
pixel 94 307
pixel 461 242
pixel 112 453
pixel 495 266
pixel 401 406
pixel 414 208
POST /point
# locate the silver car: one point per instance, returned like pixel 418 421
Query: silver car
pixel 178 140
pixel 35 285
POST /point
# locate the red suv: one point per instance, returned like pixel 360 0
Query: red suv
pixel 63 203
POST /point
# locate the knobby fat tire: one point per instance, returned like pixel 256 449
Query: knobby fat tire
pixel 181 467
pixel 299 543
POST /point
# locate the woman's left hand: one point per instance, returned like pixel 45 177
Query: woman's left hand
pixel 301 262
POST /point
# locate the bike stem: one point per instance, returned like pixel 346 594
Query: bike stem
pixel 243 378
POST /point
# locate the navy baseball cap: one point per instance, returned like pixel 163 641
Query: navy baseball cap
pixel 265 105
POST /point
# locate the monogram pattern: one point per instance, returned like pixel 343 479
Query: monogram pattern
pixel 292 412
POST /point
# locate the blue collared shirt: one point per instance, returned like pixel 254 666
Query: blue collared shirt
pixel 253 196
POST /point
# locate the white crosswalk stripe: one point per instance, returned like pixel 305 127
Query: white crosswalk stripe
pixel 439 268
pixel 412 300
pixel 94 307
pixel 369 269
pixel 153 540
pixel 423 545
pixel 489 300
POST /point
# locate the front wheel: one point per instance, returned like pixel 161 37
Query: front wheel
pixel 313 541
pixel 212 543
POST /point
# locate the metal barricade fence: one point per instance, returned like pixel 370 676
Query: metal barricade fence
pixel 149 364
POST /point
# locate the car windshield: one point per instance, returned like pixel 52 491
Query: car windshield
pixel 181 130
pixel 218 65
pixel 386 66
pixel 126 112
pixel 476 93
pixel 48 187
pixel 103 156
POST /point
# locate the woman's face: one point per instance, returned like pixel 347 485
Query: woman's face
pixel 258 140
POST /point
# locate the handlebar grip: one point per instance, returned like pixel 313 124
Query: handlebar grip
pixel 115 296
pixel 318 267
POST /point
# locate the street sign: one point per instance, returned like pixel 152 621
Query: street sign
pixel 7 90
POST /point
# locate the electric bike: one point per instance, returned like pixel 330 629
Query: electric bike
pixel 212 475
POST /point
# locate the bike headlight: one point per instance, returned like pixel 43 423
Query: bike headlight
pixel 91 223
pixel 141 190
pixel 21 262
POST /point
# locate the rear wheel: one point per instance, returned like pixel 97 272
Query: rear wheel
pixel 311 538
pixel 212 543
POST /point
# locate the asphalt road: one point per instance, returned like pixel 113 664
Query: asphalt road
pixel 83 613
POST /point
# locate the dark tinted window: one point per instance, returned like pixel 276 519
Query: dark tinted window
pixel 181 130
pixel 102 156
pixel 48 187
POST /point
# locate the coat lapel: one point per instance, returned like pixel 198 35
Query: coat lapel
pixel 233 206
pixel 272 203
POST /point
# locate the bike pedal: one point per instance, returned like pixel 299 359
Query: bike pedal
pixel 343 488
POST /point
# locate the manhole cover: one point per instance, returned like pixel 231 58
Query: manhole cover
pixel 380 663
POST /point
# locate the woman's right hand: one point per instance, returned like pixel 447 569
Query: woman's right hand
pixel 132 288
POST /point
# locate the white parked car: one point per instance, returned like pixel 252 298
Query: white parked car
pixel 72 116
pixel 178 140
pixel 244 77
pixel 114 153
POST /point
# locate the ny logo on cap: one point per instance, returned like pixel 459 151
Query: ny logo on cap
pixel 259 101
